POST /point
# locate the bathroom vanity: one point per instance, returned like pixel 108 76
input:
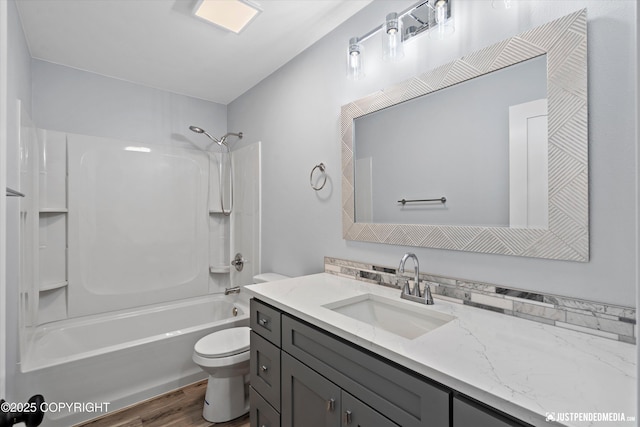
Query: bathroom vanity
pixel 316 361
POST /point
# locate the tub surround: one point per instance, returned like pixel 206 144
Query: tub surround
pixel 526 369
pixel 604 320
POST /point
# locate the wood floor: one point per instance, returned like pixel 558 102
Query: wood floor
pixel 178 408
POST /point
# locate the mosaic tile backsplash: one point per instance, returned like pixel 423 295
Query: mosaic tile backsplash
pixel 608 321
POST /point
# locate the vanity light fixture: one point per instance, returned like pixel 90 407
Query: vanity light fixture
pixel 232 15
pixel 398 28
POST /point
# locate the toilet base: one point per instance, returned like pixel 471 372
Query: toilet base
pixel 226 399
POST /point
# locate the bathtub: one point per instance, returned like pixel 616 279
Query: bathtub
pixel 123 357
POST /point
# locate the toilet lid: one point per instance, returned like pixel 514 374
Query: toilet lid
pixel 224 343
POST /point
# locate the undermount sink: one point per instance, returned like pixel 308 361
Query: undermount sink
pixel 397 317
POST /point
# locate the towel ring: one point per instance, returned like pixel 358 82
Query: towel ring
pixel 322 168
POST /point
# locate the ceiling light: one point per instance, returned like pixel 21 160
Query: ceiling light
pixel 232 15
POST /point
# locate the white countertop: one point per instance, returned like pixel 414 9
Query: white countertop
pixel 524 368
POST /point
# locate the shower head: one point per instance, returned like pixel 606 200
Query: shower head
pixel 221 141
pixel 197 129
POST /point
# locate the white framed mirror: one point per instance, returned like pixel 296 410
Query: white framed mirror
pixel 533 202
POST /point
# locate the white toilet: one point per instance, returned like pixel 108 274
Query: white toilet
pixel 224 355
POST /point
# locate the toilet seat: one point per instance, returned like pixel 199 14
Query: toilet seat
pixel 224 343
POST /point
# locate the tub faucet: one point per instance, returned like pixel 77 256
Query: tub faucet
pixel 415 294
pixel 233 290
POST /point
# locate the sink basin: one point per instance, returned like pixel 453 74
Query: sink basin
pixel 407 320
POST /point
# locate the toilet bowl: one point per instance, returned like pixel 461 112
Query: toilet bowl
pixel 224 355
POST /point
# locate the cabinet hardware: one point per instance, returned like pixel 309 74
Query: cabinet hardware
pixel 347 417
pixel 263 322
pixel 264 368
pixel 331 405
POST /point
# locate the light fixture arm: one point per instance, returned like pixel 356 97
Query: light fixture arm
pixel 408 12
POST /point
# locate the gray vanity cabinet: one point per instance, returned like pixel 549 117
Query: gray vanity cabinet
pixel 391 391
pixel 470 414
pixel 264 368
pixel 303 376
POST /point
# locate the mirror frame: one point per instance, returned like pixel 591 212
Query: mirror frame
pixel 564 41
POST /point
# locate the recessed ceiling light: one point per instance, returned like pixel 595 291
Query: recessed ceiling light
pixel 233 15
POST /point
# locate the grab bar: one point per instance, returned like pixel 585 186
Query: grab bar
pixel 404 201
pixel 14 193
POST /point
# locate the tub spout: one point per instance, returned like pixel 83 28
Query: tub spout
pixel 233 290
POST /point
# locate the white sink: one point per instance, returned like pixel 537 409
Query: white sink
pixel 406 319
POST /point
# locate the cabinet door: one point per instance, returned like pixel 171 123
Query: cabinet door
pixel 265 369
pixel 308 399
pixel 469 414
pixel 357 414
pixel 261 414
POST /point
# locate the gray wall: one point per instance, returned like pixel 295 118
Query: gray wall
pixel 70 100
pixel 19 82
pixel 295 112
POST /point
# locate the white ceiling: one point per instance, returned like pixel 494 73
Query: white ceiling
pixel 159 43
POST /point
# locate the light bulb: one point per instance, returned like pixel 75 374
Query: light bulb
pixel 392 49
pixel 443 25
pixel 355 60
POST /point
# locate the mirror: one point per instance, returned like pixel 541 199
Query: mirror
pixel 491 204
pixel 419 150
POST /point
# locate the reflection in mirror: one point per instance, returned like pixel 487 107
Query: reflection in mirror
pixel 481 143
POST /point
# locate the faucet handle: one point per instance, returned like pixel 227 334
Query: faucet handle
pixel 428 298
pixel 405 288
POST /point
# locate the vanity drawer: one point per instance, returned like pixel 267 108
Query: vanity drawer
pixel 467 413
pixel 265 320
pixel 261 414
pixel 265 369
pixel 407 399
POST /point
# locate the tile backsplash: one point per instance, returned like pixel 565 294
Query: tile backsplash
pixel 604 320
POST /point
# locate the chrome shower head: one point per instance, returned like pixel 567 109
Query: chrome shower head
pixel 221 141
pixel 197 129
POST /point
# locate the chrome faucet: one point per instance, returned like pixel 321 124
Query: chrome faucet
pixel 233 290
pixel 416 268
pixel 415 294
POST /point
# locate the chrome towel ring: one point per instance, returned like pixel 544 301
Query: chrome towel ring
pixel 322 168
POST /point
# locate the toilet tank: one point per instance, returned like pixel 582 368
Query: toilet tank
pixel 268 277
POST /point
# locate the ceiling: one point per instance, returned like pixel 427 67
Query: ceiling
pixel 159 43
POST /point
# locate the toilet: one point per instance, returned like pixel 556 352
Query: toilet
pixel 224 355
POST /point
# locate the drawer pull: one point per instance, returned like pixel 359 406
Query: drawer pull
pixel 331 405
pixel 347 417
pixel 264 368
pixel 263 322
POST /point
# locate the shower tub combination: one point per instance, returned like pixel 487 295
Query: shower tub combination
pixel 132 274
pixel 124 357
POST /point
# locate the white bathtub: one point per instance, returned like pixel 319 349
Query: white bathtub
pixel 124 357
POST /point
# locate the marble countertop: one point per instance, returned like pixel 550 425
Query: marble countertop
pixel 527 369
